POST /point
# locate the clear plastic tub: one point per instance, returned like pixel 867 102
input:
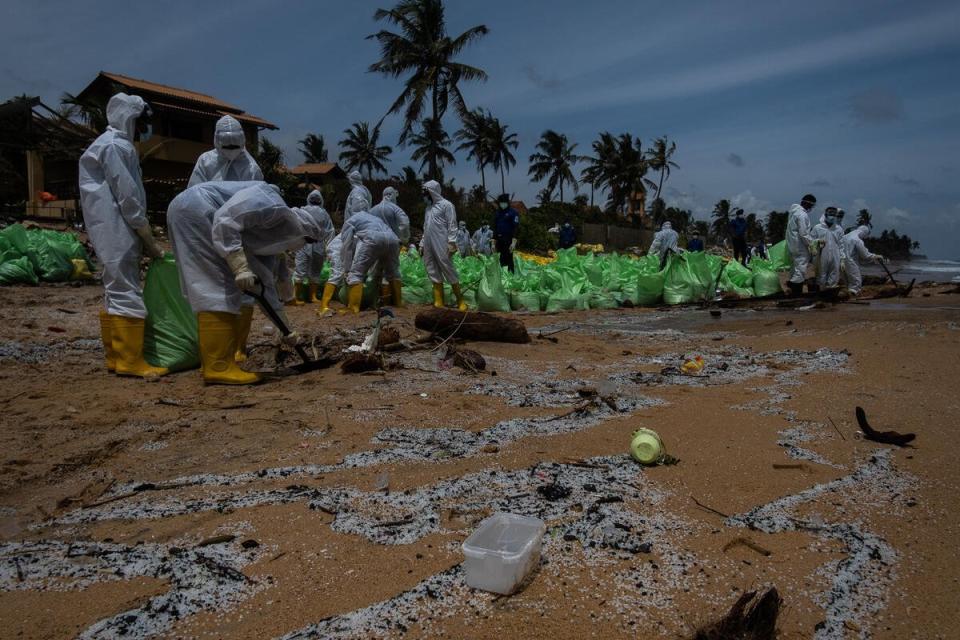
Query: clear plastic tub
pixel 502 552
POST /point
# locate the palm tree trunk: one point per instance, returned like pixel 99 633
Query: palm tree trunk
pixel 561 190
pixel 433 158
pixel 503 180
pixel 660 186
pixel 483 181
pixel 591 194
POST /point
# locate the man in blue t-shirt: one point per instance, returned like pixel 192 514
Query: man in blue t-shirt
pixel 738 235
pixel 505 225
pixel 568 236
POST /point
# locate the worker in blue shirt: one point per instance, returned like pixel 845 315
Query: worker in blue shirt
pixel 695 243
pixel 738 235
pixel 505 225
pixel 568 235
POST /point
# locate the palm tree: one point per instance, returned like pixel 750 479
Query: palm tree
pixel 361 150
pixel 407 177
pixel 425 53
pixel 544 196
pixel 619 164
pixel 658 158
pixel 430 148
pixel 92 113
pixel 475 140
pixel 313 148
pixel 721 215
pixel 501 143
pixel 554 161
pixel 864 218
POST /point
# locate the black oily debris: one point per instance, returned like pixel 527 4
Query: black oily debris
pixel 553 492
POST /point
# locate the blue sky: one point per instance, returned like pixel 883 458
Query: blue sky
pixel 855 101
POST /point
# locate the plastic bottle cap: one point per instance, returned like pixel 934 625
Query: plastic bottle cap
pixel 646 446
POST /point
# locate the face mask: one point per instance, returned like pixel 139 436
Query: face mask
pixel 232 154
pixel 831 221
pixel 504 205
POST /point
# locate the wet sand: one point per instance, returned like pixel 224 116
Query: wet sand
pixel 861 536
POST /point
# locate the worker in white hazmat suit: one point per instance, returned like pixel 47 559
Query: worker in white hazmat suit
pixel 856 252
pixel 336 277
pixel 664 241
pixel 310 257
pixel 114 207
pixel 366 242
pixel 229 160
pixel 482 241
pixel 359 194
pixel 439 243
pixel 829 257
pixel 396 218
pixel 800 242
pixel 228 237
pixel 464 246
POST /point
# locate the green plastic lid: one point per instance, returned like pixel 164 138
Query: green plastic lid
pixel 646 446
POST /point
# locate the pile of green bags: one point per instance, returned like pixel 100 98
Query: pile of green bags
pixel 591 281
pixel 28 256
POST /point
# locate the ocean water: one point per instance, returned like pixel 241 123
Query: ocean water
pixel 922 269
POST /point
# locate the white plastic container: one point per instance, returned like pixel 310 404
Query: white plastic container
pixel 502 552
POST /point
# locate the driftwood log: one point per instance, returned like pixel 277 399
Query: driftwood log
pixel 752 617
pixel 484 327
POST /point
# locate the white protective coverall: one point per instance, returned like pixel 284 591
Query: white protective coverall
pixel 856 252
pixel 482 240
pixel 463 240
pixel 359 198
pixel 212 220
pixel 309 258
pixel 222 163
pixel 799 239
pixel 439 234
pixel 390 212
pixel 830 255
pixel 115 206
pixel 664 241
pixel 367 241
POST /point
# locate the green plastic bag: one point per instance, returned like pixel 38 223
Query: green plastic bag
pixel 170 339
pixel 649 289
pixel 766 282
pixel 687 278
pixel 568 297
pixel 602 300
pixel 779 256
pixel 53 262
pixel 525 301
pixel 490 294
pixel 17 271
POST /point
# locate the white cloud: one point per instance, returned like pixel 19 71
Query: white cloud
pixel 897 215
pixel 750 203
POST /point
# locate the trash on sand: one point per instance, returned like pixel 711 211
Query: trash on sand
pixel 751 616
pixel 749 544
pixel 647 448
pixel 553 492
pixel 502 552
pixel 693 366
pixel 382 482
pixel 361 362
pixel 885 437
pixel 466 359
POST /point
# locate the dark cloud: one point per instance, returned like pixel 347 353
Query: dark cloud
pixel 736 160
pixel 905 182
pixel 538 79
pixel 876 106
pixel 820 182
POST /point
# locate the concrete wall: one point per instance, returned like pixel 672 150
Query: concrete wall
pixel 615 238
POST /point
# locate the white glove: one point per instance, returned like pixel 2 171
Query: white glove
pixel 452 247
pixel 879 258
pixel 291 339
pixel 241 271
pixel 149 242
pixel 513 244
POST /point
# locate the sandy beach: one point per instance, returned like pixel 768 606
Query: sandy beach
pixel 334 506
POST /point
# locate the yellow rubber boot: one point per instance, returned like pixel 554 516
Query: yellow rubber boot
pixel 106 335
pixel 127 339
pixel 354 297
pixel 385 294
pixel 328 291
pixel 218 348
pixel 438 295
pixel 396 287
pixel 312 296
pixel 297 295
pixel 458 294
pixel 244 319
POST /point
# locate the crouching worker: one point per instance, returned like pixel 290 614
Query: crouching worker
pixel 309 258
pixel 115 213
pixel 227 238
pixel 367 241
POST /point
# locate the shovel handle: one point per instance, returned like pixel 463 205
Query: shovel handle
pixel 277 320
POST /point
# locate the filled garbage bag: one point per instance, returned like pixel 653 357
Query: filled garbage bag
pixel 601 299
pixel 766 281
pixel 490 294
pixel 52 254
pixel 17 271
pixel 568 297
pixel 687 278
pixel 779 256
pixel 170 339
pixel 649 288
pixel 525 301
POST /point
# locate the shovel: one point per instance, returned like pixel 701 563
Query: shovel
pixel 307 364
pixel 889 275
